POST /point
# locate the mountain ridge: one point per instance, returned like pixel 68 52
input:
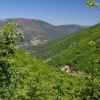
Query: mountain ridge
pixel 72 28
pixel 38 31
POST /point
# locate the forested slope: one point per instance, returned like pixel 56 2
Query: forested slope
pixel 23 77
pixel 74 50
pixel 34 80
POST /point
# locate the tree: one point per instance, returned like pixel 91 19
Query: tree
pixel 8 35
pixel 91 88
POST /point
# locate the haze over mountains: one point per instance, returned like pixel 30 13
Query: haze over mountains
pixel 72 28
pixel 39 32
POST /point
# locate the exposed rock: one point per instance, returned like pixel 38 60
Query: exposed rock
pixel 66 68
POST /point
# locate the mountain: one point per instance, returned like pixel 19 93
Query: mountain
pixel 74 50
pixel 38 31
pixel 73 28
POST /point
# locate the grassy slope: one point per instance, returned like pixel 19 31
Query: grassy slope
pixel 74 50
pixel 36 80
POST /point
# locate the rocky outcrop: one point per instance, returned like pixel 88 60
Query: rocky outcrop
pixel 66 68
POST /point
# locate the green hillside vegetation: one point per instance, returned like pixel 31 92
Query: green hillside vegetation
pixel 73 50
pixel 23 77
pixel 34 80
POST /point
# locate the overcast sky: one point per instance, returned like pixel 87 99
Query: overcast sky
pixel 56 12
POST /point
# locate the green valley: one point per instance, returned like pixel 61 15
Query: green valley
pixel 74 50
pixel 24 77
pixel 43 61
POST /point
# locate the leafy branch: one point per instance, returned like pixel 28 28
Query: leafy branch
pixel 93 3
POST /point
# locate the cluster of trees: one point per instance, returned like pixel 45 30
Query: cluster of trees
pixel 8 35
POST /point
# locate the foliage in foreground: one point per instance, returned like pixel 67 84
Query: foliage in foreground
pixel 32 79
pixel 92 3
pixel 8 35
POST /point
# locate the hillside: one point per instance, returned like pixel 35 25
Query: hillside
pixel 73 50
pixel 34 80
pixel 23 77
pixel 38 31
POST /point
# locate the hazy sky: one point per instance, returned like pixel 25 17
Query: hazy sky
pixel 56 12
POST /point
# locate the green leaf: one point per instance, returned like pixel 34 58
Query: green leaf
pixel 92 3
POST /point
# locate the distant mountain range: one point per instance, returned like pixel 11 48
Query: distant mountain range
pixel 72 28
pixel 39 32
